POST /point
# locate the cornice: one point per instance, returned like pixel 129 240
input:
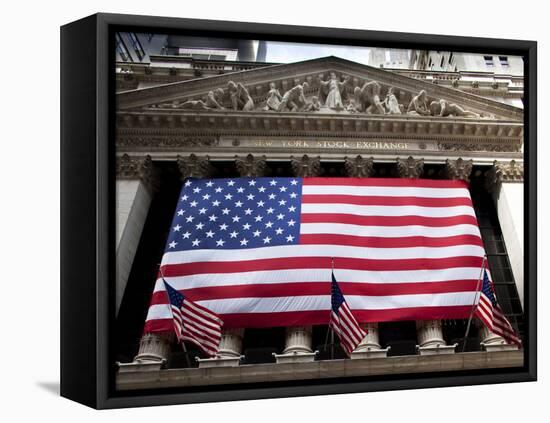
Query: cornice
pixel 206 128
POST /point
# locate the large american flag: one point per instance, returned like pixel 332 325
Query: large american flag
pixel 194 323
pixel 342 321
pixel 257 251
pixel 490 313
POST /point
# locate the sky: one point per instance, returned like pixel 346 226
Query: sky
pixel 284 52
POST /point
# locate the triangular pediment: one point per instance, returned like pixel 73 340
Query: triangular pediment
pixel 330 85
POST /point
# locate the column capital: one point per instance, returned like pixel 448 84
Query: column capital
pixel 410 167
pixel 137 168
pixel 458 169
pixel 250 165
pixel 194 167
pixel 359 167
pixel 306 166
pixel 500 172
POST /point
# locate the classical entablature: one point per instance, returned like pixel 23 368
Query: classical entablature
pixel 329 106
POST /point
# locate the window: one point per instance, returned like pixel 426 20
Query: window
pixel 503 61
pixel 451 58
pixel 489 60
pixel 497 256
pixel 442 62
pixel 121 49
pixel 137 46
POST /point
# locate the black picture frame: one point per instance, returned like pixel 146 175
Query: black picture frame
pixel 87 208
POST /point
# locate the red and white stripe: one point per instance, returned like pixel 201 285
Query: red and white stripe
pixel 196 324
pixel 346 327
pixel 494 319
pixel 403 249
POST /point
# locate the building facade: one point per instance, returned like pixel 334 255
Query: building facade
pixel 230 122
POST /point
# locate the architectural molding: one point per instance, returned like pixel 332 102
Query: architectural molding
pixel 194 166
pixel 458 169
pixel 359 167
pixel 180 378
pixel 410 168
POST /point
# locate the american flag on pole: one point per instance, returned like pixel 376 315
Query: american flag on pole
pixel 194 323
pixel 490 313
pixel 257 251
pixel 342 321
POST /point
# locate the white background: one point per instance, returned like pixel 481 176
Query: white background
pixel 29 223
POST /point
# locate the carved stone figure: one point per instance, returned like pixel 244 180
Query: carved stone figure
pixel 367 98
pixel 294 98
pixel 214 99
pixel 273 98
pixel 418 105
pixel 211 102
pixel 193 104
pixel 240 98
pixel 391 103
pixel 330 91
pixel 350 106
pixel 314 105
pixel 443 108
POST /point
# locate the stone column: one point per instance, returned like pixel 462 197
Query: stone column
pixel 230 349
pixel 154 350
pixel 297 346
pixel 360 167
pixel 298 338
pixel 155 347
pixel 369 347
pixel 430 338
pixel 430 333
pixel 135 185
pixel 490 341
pixel 505 182
pixel 229 352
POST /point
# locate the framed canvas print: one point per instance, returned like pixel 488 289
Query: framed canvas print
pixel 256 211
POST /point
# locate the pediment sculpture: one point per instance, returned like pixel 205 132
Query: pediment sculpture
pixel 332 97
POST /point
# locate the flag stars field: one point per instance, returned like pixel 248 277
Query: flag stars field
pixel 262 196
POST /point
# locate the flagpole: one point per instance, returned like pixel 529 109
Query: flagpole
pixel 172 313
pixel 330 309
pixel 474 303
pixel 331 331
